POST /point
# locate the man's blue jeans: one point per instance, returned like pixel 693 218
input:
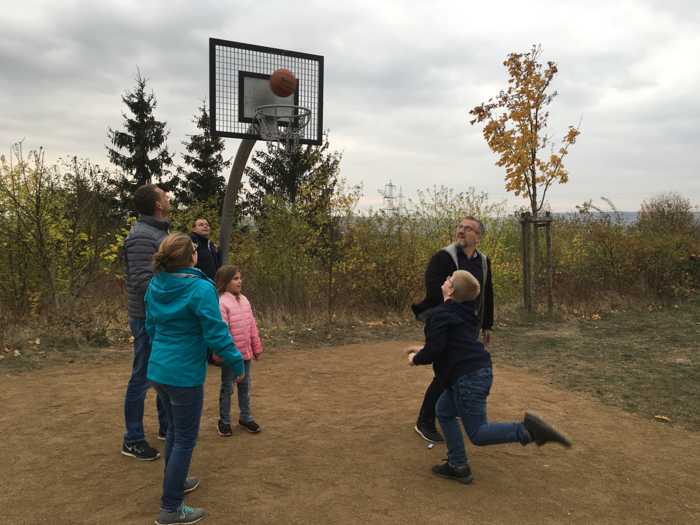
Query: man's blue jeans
pixel 138 386
pixel 466 398
pixel 183 410
pixel 227 378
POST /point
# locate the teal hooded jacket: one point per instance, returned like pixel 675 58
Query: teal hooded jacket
pixel 184 324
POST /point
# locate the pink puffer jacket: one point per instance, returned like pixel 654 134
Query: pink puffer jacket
pixel 238 315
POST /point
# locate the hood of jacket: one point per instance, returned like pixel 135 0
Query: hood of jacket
pixel 175 287
pixel 458 313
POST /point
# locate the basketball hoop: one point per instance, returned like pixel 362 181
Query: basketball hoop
pixel 282 123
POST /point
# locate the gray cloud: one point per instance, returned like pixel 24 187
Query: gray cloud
pixel 400 79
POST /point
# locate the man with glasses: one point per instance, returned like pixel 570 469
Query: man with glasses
pixel 460 255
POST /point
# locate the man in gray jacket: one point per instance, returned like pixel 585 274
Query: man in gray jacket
pixel 152 205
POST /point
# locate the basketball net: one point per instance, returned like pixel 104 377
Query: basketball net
pixel 283 124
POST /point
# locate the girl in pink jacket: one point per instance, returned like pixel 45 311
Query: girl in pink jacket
pixel 238 315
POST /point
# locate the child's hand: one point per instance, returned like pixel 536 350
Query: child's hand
pixel 486 335
pixel 240 378
pixel 411 355
pixel 413 349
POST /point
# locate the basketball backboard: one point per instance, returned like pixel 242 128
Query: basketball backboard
pixel 239 76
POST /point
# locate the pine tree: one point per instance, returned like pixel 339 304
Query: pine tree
pixel 140 150
pixel 202 180
pixel 277 172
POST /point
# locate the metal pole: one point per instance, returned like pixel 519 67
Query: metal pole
pixel 232 188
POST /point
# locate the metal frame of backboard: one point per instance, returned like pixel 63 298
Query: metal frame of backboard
pixel 238 81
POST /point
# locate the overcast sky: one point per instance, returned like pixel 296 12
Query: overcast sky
pixel 400 78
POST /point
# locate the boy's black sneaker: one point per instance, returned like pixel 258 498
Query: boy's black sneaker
pixel 460 474
pixel 542 432
pixel 140 450
pixel 431 435
pixel 251 426
pixel 224 429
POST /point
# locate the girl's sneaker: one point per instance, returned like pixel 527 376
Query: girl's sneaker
pixel 183 516
pixel 251 426
pixel 224 429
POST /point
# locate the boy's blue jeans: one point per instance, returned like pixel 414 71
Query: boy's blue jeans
pixel 183 410
pixel 466 398
pixel 227 377
pixel 138 386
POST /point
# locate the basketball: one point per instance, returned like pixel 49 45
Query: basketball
pixel 283 82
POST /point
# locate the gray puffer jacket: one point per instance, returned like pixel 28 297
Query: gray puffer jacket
pixel 139 247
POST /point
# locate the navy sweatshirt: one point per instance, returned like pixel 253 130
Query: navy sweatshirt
pixel 440 267
pixel 450 344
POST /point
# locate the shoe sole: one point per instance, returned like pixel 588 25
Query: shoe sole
pixel 191 489
pixel 130 455
pixel 181 522
pixel 463 481
pixel 426 438
pixel 160 438
pixel 565 441
pixel 223 434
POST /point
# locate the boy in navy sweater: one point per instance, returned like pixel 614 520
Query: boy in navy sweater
pixel 463 367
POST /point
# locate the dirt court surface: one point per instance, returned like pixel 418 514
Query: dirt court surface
pixel 337 447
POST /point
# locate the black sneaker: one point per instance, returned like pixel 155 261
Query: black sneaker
pixel 251 426
pixel 224 429
pixel 190 485
pixel 431 435
pixel 161 435
pixel 460 474
pixel 542 432
pixel 140 450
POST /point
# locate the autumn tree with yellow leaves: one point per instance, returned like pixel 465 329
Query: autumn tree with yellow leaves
pixel 515 128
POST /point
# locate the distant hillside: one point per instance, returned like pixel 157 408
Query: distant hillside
pixel 627 217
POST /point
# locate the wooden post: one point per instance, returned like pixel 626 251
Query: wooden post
pixel 525 240
pixel 550 267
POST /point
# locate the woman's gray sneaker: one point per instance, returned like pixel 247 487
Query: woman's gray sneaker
pixel 191 484
pixel 183 516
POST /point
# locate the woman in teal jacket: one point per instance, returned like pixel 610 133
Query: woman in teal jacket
pixel 184 324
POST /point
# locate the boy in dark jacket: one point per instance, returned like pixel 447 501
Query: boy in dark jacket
pixel 463 367
pixel 463 254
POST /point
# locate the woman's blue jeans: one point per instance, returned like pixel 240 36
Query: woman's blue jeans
pixel 183 410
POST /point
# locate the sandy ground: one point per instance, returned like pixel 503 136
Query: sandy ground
pixel 337 447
